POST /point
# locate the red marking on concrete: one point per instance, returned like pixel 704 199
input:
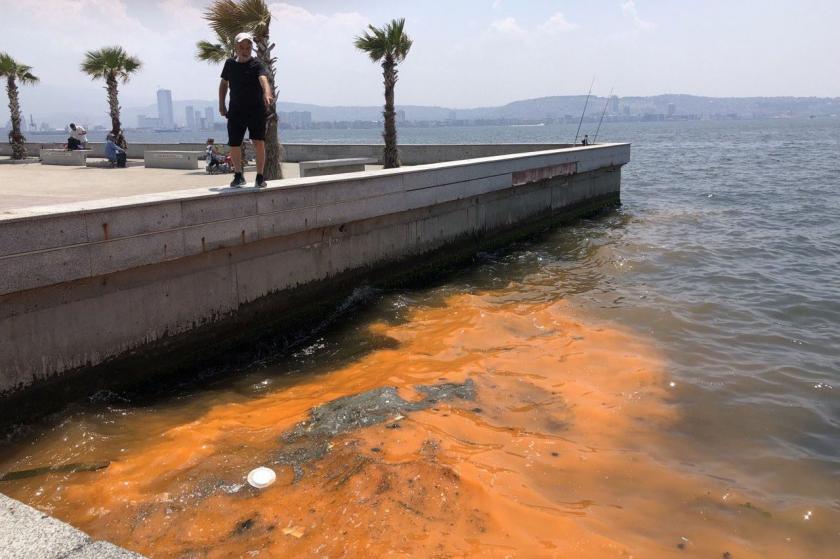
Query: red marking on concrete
pixel 543 173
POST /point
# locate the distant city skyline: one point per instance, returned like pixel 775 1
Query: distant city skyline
pixel 200 115
pixel 471 53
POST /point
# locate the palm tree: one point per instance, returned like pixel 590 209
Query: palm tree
pixel 112 64
pixel 389 44
pixel 15 72
pixel 227 18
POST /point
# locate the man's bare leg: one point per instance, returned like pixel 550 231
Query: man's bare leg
pixel 259 150
pixel 236 156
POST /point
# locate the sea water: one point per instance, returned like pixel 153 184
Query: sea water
pixel 657 380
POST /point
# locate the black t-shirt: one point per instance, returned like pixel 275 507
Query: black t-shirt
pixel 246 93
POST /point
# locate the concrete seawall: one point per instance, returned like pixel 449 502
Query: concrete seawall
pixel 166 278
pixel 30 534
pixel 410 154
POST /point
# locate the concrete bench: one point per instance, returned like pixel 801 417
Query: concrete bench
pixel 334 166
pixel 76 157
pixel 172 159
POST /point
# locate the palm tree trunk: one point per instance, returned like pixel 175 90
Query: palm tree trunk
pixel 114 104
pixel 16 138
pixel 274 152
pixel 391 155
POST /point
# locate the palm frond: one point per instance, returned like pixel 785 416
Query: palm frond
pixel 224 18
pixel 388 40
pixel 110 61
pixel 22 73
pixel 372 42
pixel 8 65
pixel 27 77
pixel 255 16
pixel 214 53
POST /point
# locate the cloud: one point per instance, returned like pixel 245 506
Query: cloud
pixel 288 14
pixel 507 26
pixel 184 13
pixel 628 8
pixel 64 13
pixel 558 24
pixel 497 4
pixel 315 52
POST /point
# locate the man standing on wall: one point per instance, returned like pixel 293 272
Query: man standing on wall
pixel 250 98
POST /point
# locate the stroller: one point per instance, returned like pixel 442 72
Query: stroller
pixel 217 164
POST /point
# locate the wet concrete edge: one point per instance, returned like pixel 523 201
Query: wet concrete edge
pixel 28 533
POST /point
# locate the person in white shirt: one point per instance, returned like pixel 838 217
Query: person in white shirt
pixel 78 137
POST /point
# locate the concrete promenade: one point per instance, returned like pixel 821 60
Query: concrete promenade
pixel 33 184
pixel 410 154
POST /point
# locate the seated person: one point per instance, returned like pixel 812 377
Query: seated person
pixel 214 158
pixel 78 137
pixel 114 153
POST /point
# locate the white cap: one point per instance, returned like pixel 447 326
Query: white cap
pixel 245 37
pixel 261 477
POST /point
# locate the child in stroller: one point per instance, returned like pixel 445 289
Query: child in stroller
pixel 216 162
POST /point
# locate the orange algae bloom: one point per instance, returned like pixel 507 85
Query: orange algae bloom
pixel 562 453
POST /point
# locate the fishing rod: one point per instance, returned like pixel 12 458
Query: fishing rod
pixel 607 104
pixel 584 110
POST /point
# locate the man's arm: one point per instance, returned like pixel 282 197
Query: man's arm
pixel 223 89
pixel 268 95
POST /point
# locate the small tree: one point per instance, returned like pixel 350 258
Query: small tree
pixel 390 45
pixel 112 64
pixel 228 18
pixel 15 73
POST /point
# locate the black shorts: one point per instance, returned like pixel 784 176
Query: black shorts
pixel 253 121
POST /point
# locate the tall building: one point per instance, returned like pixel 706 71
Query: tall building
pixel 164 102
pixel 672 108
pixel 190 117
pixel 614 104
pixel 208 117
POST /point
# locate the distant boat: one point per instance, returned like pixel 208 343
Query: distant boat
pixel 523 125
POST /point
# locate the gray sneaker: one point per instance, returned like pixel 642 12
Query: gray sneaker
pixel 238 181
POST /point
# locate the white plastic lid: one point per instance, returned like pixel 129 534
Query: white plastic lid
pixel 261 477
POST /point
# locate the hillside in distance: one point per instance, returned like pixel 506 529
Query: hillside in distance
pixel 560 106
pixel 555 107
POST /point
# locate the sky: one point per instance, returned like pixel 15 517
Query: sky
pixel 466 53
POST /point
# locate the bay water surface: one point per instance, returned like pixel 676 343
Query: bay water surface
pixel 661 379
